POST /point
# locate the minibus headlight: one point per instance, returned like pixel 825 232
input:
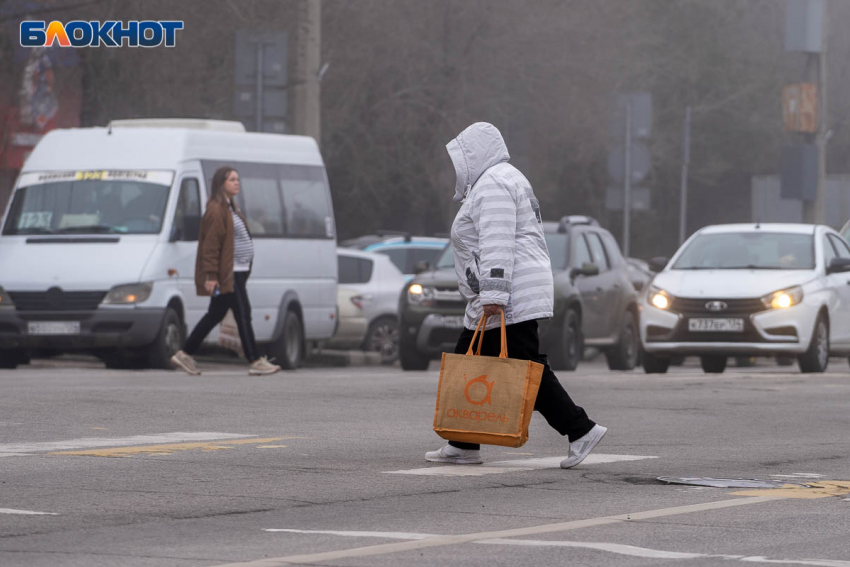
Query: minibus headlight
pixel 5 300
pixel 129 294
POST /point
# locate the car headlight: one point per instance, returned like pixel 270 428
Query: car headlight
pixel 783 299
pixel 659 298
pixel 128 294
pixel 5 300
pixel 421 295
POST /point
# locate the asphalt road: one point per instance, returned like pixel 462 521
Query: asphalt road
pixel 326 467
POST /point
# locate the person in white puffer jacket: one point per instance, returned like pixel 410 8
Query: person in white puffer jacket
pixel 502 264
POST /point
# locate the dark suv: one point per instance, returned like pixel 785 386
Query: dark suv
pixel 595 302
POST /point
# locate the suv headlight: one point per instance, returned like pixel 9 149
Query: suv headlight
pixel 783 299
pixel 5 300
pixel 421 295
pixel 128 294
pixel 659 298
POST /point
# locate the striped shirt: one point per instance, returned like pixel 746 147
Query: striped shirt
pixel 501 256
pixel 243 246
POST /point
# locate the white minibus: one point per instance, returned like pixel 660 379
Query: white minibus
pixel 98 241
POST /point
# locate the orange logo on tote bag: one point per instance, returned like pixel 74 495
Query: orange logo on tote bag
pixel 486 398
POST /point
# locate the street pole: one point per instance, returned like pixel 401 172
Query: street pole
pixel 683 205
pixel 823 124
pixel 259 105
pixel 627 187
pixel 308 56
pixel 814 212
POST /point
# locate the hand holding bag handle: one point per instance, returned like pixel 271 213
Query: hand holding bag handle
pixel 482 324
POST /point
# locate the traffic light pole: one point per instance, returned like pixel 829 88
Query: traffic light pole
pixel 686 160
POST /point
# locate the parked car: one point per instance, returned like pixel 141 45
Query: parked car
pixel 751 290
pixel 370 286
pixel 410 254
pixel 595 302
pixel 352 322
pixel 98 245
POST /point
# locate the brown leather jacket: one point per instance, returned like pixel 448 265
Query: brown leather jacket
pixel 215 248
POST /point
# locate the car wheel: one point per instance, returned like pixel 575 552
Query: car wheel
pixel 713 364
pixel 410 357
pixel 625 354
pixel 568 353
pixel 816 358
pixel 382 338
pixel 167 343
pixel 288 350
pixel 654 364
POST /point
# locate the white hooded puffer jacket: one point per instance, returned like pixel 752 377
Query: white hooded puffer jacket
pixel 500 252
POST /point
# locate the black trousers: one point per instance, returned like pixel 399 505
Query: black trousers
pixel 553 402
pixel 238 302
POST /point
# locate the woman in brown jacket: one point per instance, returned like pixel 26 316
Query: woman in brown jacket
pixel 222 267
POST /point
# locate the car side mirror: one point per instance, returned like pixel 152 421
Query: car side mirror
pixel 587 270
pixel 420 267
pixel 658 263
pixel 838 266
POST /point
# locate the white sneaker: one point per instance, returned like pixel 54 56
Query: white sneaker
pixel 186 363
pixel 453 455
pixel 581 448
pixel 262 367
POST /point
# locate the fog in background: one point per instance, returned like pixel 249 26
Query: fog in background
pixel 405 76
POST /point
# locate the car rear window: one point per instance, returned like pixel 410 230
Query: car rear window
pixel 354 270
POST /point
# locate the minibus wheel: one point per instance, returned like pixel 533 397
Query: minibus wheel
pixel 288 350
pixel 169 340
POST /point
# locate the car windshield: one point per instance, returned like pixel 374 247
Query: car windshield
pixel 748 250
pixel 102 202
pixel 558 244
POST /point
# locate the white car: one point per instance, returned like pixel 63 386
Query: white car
pixel 377 284
pixel 750 290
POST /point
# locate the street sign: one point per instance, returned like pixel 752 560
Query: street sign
pixel 641 115
pixel 640 162
pixel 615 201
pixel 260 99
pixel 800 108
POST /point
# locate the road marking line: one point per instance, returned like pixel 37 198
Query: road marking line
pixel 498 467
pixel 12 449
pixel 619 549
pixel 26 512
pixel 444 540
pixel 166 449
pixel 270 447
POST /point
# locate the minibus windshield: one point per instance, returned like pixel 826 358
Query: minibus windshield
pixel 99 202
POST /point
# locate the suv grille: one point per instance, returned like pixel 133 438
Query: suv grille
pixel 55 299
pixel 733 306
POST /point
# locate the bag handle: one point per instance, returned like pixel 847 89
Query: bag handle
pixel 482 324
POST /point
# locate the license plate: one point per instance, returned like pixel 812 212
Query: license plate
pixel 716 325
pixel 54 328
pixel 453 322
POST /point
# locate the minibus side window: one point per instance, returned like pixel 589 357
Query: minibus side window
pixel 187 216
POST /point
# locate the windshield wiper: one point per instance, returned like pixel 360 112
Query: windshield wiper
pixel 754 267
pixel 96 228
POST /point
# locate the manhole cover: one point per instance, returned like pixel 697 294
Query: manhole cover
pixel 728 482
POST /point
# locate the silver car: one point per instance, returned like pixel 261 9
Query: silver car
pixel 378 284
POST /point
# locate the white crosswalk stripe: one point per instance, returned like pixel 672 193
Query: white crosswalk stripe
pixel 499 467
